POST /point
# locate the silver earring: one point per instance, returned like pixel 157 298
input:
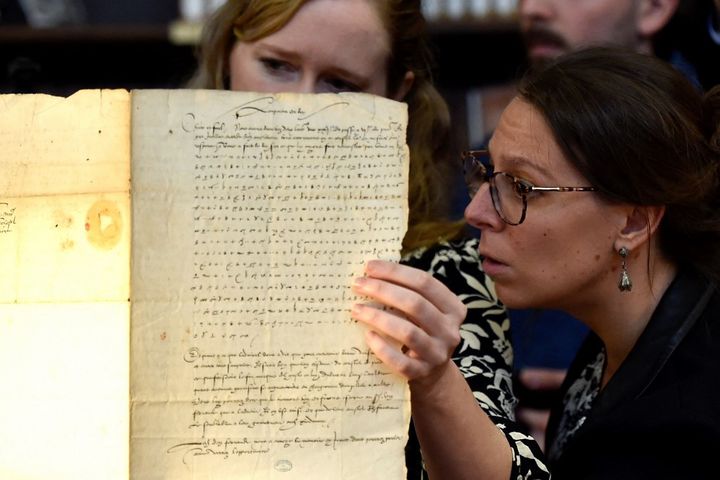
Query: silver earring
pixel 625 284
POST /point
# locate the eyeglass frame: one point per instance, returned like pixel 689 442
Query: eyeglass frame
pixel 470 159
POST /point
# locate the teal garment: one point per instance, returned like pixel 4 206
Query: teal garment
pixel 545 338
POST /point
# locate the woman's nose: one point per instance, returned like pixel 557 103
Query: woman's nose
pixel 480 212
pixel 305 84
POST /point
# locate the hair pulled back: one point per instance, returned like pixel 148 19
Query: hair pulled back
pixel 643 135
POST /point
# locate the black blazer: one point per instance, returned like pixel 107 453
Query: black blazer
pixel 659 416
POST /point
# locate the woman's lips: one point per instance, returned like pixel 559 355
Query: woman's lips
pixel 492 266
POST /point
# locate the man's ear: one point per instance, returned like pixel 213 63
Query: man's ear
pixel 653 15
pixel 641 223
pixel 405 86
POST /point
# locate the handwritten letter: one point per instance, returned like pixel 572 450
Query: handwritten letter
pixel 252 215
pixel 7 218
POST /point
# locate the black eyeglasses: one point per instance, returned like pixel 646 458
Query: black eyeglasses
pixel 508 193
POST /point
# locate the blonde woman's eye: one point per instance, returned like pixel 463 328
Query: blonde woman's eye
pixel 276 66
pixel 340 85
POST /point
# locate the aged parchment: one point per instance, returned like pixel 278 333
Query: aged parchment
pixel 254 214
pixel 64 288
pixel 251 215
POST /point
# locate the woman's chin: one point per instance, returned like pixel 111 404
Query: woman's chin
pixel 513 298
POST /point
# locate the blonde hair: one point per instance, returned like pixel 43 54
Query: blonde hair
pixel 429 118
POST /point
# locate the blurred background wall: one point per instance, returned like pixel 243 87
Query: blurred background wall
pixel 60 46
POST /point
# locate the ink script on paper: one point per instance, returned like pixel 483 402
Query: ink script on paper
pixel 176 290
pixel 246 362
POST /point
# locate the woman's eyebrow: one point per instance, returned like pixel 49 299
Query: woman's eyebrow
pixel 266 47
pixel 521 162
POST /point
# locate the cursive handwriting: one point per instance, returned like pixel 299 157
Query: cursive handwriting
pixel 286 209
pixel 7 218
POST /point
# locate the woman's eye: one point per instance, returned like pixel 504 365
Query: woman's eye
pixel 275 66
pixel 339 85
pixel 523 187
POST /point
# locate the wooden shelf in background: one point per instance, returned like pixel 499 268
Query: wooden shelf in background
pixel 90 33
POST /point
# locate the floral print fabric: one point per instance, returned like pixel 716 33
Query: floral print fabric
pixel 484 355
pixel 577 404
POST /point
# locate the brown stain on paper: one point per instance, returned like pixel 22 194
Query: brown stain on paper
pixel 104 224
pixel 67 244
pixel 63 222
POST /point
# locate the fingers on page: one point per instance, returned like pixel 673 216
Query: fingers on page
pixel 419 281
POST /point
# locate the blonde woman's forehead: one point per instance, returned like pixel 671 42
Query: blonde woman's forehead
pixel 346 31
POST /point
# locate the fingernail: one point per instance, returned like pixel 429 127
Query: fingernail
pixel 360 282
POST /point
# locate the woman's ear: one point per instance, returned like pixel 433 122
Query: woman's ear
pixel 653 15
pixel 641 223
pixel 405 86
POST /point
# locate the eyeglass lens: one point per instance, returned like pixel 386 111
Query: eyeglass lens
pixel 508 203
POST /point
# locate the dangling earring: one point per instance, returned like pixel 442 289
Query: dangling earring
pixel 625 284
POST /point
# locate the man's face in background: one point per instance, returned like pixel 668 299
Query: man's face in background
pixel 553 27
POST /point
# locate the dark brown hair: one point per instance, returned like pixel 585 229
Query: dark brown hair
pixel 641 133
pixel 429 118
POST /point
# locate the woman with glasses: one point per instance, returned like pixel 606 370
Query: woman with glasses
pixel 379 47
pixel 600 196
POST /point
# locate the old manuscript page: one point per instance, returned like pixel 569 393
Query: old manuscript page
pixel 64 288
pixel 252 215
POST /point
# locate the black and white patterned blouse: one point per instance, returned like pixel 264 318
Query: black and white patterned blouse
pixel 577 404
pixel 484 355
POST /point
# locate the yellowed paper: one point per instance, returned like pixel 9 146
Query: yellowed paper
pixel 64 291
pixel 240 285
pixel 252 215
